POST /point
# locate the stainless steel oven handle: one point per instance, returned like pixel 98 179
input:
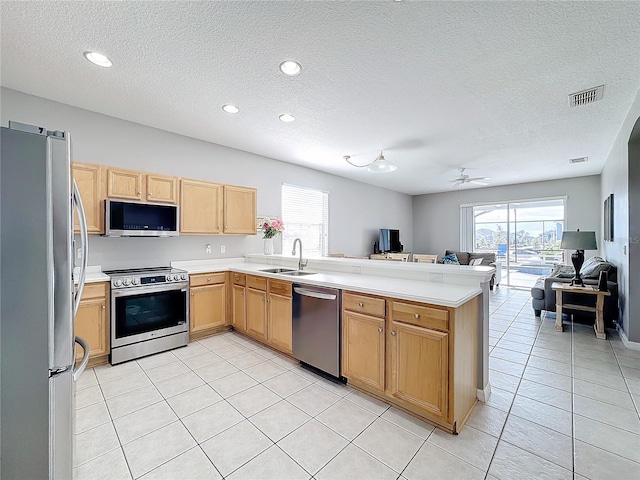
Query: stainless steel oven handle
pixel 153 288
pixel 85 359
pixel 85 247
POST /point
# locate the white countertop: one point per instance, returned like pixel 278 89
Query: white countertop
pixel 436 293
pixel 94 274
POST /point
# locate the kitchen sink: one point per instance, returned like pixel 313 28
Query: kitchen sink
pixel 278 270
pixel 297 273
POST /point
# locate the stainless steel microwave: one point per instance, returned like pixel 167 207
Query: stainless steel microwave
pixel 137 219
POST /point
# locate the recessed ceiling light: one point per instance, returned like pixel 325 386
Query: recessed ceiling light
pixel 230 108
pixel 285 117
pixel 98 59
pixel 291 68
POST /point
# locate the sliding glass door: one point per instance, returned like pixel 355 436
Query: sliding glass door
pixel 524 235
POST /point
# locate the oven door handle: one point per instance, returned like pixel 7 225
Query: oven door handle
pixel 155 288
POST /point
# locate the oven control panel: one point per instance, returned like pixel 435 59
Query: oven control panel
pixel 146 280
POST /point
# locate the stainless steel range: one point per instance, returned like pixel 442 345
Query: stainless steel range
pixel 149 311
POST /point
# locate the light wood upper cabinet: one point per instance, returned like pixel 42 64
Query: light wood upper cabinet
pixel 240 210
pixel 125 184
pixel 280 321
pixel 208 307
pixel 256 313
pixel 420 367
pixel 363 349
pixel 161 188
pixel 92 324
pixel 200 207
pixel 90 181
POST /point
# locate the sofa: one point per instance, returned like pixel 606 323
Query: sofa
pixel 488 260
pixel 543 297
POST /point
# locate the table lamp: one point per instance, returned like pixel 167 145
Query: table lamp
pixel 581 241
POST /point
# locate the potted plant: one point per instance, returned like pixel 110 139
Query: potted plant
pixel 270 228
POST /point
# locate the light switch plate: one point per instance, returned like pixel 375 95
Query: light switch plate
pixel 222 248
pixel 207 248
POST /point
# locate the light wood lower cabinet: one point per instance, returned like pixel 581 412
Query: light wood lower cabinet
pixel 268 313
pixel 363 349
pixel 279 325
pixel 422 358
pixel 208 304
pixel 419 367
pixel 257 313
pixel 92 323
pixel 239 314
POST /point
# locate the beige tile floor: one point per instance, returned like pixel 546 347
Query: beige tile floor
pixel 564 405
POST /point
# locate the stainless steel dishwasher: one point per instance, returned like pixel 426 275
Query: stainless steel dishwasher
pixel 316 327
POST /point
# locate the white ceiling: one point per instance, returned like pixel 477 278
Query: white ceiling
pixel 437 85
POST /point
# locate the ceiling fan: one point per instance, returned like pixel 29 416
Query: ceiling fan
pixel 463 178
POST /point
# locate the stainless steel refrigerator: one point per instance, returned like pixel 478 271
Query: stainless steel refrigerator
pixel 38 303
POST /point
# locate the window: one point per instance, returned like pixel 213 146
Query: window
pixel 305 213
pixel 525 236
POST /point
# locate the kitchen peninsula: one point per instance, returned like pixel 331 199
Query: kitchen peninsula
pixel 412 335
pixel 413 343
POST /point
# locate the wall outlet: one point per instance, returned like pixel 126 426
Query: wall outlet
pixel 207 248
pixel 355 269
pixel 222 248
pixel 435 277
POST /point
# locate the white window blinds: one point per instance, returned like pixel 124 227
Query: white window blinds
pixel 305 213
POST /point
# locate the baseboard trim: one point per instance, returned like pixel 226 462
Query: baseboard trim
pixel 484 394
pixel 625 341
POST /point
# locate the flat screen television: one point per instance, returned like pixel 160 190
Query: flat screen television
pixel 389 241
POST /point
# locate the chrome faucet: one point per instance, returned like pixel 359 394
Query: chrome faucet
pixel 301 263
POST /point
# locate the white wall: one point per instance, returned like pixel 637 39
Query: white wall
pixel 356 210
pixel 436 223
pixel 615 179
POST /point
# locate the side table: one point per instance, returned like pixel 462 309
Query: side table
pixel 562 288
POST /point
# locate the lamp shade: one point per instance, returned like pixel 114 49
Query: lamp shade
pixel 578 241
pixel 381 165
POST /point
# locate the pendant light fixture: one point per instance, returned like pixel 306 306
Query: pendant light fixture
pixel 379 165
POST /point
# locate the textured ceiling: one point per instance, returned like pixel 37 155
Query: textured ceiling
pixel 437 85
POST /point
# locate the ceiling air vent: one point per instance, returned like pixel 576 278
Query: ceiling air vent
pixel 586 96
pixel 579 160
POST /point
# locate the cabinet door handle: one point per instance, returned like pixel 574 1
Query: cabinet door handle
pixel 104 306
pixel 218 227
pixel 192 294
pixel 208 279
pixel 416 315
pixel 150 194
pixel 379 329
pixel 360 304
pixel 262 299
pixel 393 334
pixel 226 227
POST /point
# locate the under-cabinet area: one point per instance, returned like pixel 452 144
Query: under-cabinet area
pixel 206 208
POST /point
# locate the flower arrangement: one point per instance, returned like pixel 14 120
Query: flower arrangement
pixel 272 227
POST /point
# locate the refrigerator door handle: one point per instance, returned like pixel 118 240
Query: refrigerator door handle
pixel 85 359
pixel 85 247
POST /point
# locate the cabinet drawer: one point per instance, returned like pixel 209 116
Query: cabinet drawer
pixel 280 288
pixel 94 290
pixel 362 304
pixel 422 316
pixel 258 283
pixel 207 279
pixel 238 278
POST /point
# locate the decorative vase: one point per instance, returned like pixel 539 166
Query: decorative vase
pixel 268 246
